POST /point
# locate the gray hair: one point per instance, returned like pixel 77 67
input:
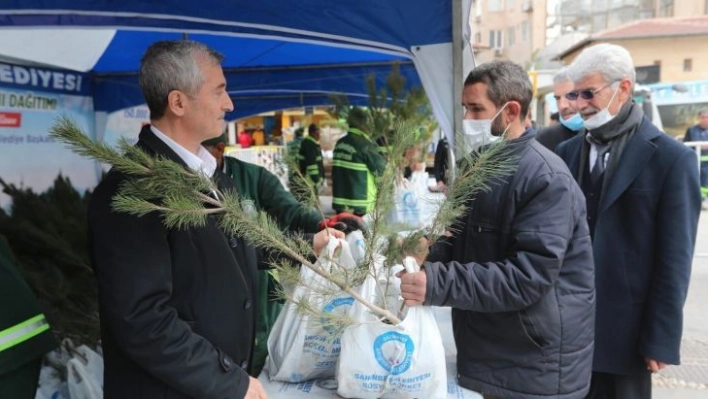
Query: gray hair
pixel 562 76
pixel 173 65
pixel 611 61
pixel 703 112
pixel 506 81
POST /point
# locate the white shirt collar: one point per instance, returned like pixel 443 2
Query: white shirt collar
pixel 202 162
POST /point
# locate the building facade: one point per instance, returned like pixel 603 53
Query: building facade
pixel 519 30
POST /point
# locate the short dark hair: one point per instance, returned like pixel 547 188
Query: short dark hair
pixel 506 81
pixel 357 118
pixel 313 128
pixel 299 132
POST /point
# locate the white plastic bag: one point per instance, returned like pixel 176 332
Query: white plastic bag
pixel 85 374
pixel 380 360
pixel 301 346
pixel 406 209
pixel 357 246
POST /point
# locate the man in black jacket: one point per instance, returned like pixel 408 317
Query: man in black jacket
pixel 643 203
pixel 518 272
pixel 177 306
pixel 570 121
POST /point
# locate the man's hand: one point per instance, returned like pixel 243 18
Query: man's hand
pixel 255 390
pixel 345 222
pixel 654 365
pixel 320 240
pixel 413 287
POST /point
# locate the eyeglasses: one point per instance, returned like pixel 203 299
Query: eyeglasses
pixel 585 94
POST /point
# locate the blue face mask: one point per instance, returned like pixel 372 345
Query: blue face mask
pixel 574 123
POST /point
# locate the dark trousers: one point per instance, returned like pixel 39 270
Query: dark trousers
pixel 22 382
pixel 614 386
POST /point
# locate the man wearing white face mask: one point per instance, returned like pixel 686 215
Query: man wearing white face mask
pixel 518 271
pixel 643 202
pixel 570 120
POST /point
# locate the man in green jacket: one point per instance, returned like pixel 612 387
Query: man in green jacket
pixel 355 166
pixel 310 157
pixel 263 191
pixel 25 335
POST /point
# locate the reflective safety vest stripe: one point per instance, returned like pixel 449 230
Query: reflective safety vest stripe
pixel 350 202
pixel 20 333
pixel 350 165
pixel 313 170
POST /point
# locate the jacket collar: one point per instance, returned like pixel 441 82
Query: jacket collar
pixel 359 132
pixel 147 140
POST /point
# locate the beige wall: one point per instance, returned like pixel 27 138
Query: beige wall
pixel 511 16
pixel 689 8
pixel 671 52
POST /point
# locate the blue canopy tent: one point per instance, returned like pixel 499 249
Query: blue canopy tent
pixel 278 53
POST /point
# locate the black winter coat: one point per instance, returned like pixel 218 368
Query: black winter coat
pixel 177 307
pixel 552 136
pixel 519 277
pixel 645 233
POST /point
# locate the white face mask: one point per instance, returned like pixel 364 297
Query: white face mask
pixel 601 117
pixel 478 132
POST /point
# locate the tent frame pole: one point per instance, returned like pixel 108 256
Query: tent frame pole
pixel 457 84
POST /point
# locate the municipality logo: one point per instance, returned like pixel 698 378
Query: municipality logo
pixel 336 304
pixel 410 199
pixel 394 352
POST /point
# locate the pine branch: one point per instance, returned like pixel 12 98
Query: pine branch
pixel 183 197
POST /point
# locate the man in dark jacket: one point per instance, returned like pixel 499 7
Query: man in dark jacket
pixel 570 121
pixel 699 132
pixel 440 163
pixel 518 272
pixel 643 203
pixel 310 157
pixel 176 305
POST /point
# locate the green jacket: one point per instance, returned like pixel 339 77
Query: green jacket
pixel 258 187
pixel 355 165
pixel 25 334
pixel 310 160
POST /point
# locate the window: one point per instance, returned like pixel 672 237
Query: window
pixel 687 64
pixel 666 8
pixel 510 4
pixel 496 5
pixel 511 36
pixel 525 31
pixel 495 39
pixel 478 37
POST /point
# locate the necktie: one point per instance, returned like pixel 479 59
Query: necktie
pixel 602 151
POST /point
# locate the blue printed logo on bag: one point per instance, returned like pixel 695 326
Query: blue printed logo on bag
pixel 394 351
pixel 333 305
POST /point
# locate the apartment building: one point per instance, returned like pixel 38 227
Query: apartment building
pixel 520 30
